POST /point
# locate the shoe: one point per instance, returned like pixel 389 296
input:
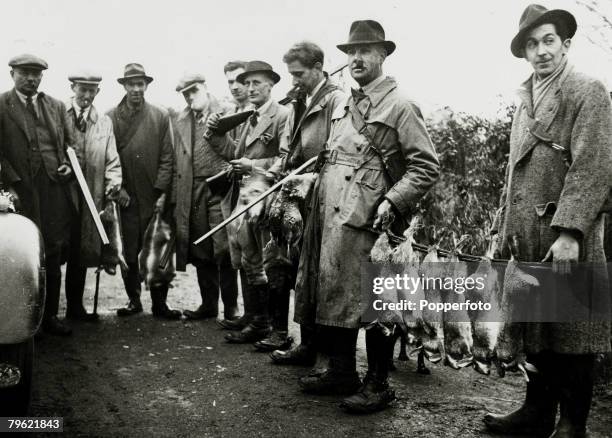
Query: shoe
pixel 248 335
pixel 81 315
pixel 234 324
pixel 300 355
pixel 276 341
pixel 54 326
pixel 166 313
pixel 132 308
pixel 330 381
pixel 200 313
pixel 373 396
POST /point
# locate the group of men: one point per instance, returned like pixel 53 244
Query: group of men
pixel 376 161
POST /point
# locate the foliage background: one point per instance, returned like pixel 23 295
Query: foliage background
pixel 473 153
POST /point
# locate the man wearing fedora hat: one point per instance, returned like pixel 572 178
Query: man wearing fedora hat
pixel 198 203
pixel 557 181
pixel 34 135
pixel 380 161
pixel 97 152
pixel 144 141
pixel 256 150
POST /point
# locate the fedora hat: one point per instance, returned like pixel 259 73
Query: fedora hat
pixel 258 67
pixel 367 32
pixel 134 70
pixel 534 16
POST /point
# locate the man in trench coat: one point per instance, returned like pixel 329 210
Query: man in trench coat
pixel 145 145
pixel 557 181
pixel 34 134
pixel 198 203
pixel 95 147
pixel 380 162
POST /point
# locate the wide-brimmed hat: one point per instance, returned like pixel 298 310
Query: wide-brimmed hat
pixel 134 70
pixel 258 67
pixel 367 32
pixel 534 16
pixel 28 61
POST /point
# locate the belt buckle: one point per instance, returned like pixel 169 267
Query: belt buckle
pixel 333 156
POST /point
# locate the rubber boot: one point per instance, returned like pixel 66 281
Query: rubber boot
pixel 575 380
pixel 375 394
pixel 536 417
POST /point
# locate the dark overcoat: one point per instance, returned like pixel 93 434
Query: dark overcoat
pixel 15 148
pixel 146 152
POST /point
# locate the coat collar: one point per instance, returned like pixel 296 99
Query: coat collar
pixel 91 116
pixel 526 94
pixel 264 122
pixel 378 93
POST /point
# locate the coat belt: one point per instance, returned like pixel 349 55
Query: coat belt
pixel 357 161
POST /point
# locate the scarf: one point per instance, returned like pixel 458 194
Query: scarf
pixel 540 88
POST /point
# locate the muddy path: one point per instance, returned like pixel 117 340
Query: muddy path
pixel 144 377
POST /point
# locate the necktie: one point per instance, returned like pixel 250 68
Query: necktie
pixel 253 119
pixel 358 95
pixel 81 121
pixel 30 107
pixel 198 116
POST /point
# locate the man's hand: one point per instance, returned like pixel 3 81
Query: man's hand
pixel 123 199
pixel 242 166
pixel 64 172
pixel 213 122
pixel 384 216
pixel 563 252
pixel 160 203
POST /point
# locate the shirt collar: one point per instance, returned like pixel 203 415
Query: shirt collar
pixel 314 91
pixel 262 109
pixel 369 88
pixel 23 97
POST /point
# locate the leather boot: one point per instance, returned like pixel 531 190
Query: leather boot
pixel 304 354
pixel 159 307
pixel 278 340
pixel 575 379
pixel 375 394
pixel 341 377
pixel 208 281
pixel 131 281
pixel 536 417
pixel 259 327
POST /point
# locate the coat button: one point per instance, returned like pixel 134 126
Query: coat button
pixel 358 148
pixel 347 177
pixel 336 207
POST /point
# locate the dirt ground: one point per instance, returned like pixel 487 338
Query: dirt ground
pixel 143 377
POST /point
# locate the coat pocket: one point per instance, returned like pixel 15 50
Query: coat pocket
pixel 547 235
pixel 361 197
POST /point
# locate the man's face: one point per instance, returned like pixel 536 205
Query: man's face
pixel 365 62
pixel 135 89
pixel 303 77
pixel 196 97
pixel 259 88
pixel 544 49
pixel 84 94
pixel 26 79
pixel 238 90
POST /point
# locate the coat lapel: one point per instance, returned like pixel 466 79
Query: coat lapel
pixel 265 120
pixel 52 125
pixel 17 113
pixel 184 130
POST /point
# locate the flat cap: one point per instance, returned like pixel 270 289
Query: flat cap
pixel 85 78
pixel 189 80
pixel 27 60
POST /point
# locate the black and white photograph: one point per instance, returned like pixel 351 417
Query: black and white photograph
pixel 272 218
